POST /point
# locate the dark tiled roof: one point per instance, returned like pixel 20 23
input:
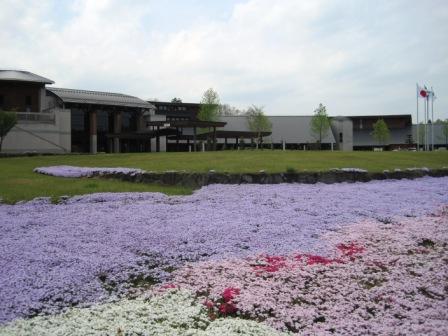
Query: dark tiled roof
pixel 23 76
pixel 99 98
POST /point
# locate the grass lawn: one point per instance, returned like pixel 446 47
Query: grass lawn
pixel 18 182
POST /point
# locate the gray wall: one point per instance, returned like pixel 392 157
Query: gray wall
pixel 41 137
pixel 439 137
pixel 291 129
pixel 345 126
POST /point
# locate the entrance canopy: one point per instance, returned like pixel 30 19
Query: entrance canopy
pixel 187 124
pixel 224 135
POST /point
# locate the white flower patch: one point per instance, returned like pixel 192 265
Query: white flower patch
pixel 236 326
pixel 422 169
pixel 349 170
pixel 175 312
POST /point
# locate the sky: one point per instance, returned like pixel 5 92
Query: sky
pixel 357 57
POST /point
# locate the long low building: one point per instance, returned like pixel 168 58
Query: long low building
pixel 61 120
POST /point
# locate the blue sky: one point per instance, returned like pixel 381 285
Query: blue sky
pixel 355 57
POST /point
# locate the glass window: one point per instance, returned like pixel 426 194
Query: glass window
pixel 102 121
pixel 78 120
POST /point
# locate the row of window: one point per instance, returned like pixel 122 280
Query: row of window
pixel 28 102
pixel 171 108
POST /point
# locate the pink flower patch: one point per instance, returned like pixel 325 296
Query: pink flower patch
pixel 273 264
pixel 350 250
pixel 315 259
pixel 227 308
pixel 230 293
pixel 209 304
pixel 168 286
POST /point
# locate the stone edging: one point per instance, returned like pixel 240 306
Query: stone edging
pixel 197 180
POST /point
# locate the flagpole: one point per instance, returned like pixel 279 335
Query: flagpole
pixel 426 124
pixel 418 126
pixel 432 119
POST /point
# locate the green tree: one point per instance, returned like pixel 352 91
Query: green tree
pixel 209 110
pixel 380 132
pixel 209 106
pixel 257 122
pixel 7 121
pixel 421 134
pixel 320 124
pixel 445 130
pixel 176 100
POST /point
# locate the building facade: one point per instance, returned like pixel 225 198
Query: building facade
pixel 59 120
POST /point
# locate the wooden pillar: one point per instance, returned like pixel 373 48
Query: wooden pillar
pixel 225 142
pixel 237 143
pixel 93 133
pixel 117 130
pixel 194 138
pixel 141 126
pixel 214 138
pixel 158 140
pixel 177 139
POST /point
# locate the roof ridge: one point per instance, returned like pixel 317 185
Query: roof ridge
pixel 105 93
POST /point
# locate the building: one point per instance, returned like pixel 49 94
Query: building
pixel 176 110
pixel 400 127
pixel 40 128
pixel 60 120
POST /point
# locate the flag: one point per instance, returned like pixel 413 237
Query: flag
pixel 423 92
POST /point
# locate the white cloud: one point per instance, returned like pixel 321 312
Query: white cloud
pixel 355 57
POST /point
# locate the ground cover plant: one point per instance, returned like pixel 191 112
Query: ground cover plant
pixel 18 182
pixel 294 258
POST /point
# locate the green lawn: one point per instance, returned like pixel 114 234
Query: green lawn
pixel 18 182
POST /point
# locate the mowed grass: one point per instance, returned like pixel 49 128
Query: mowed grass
pixel 19 182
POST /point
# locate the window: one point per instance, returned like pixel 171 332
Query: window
pixel 341 137
pixel 28 103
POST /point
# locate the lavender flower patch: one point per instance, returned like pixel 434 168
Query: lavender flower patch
pixel 94 247
pixel 72 171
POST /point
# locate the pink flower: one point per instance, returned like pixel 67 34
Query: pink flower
pixel 350 250
pixel 227 308
pixel 209 304
pixel 315 259
pixel 230 293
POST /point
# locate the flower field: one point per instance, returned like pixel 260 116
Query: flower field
pixel 352 259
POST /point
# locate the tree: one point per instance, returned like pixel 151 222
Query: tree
pixel 227 110
pixel 421 134
pixel 320 124
pixel 7 121
pixel 445 130
pixel 380 132
pixel 209 110
pixel 176 100
pixel 257 122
